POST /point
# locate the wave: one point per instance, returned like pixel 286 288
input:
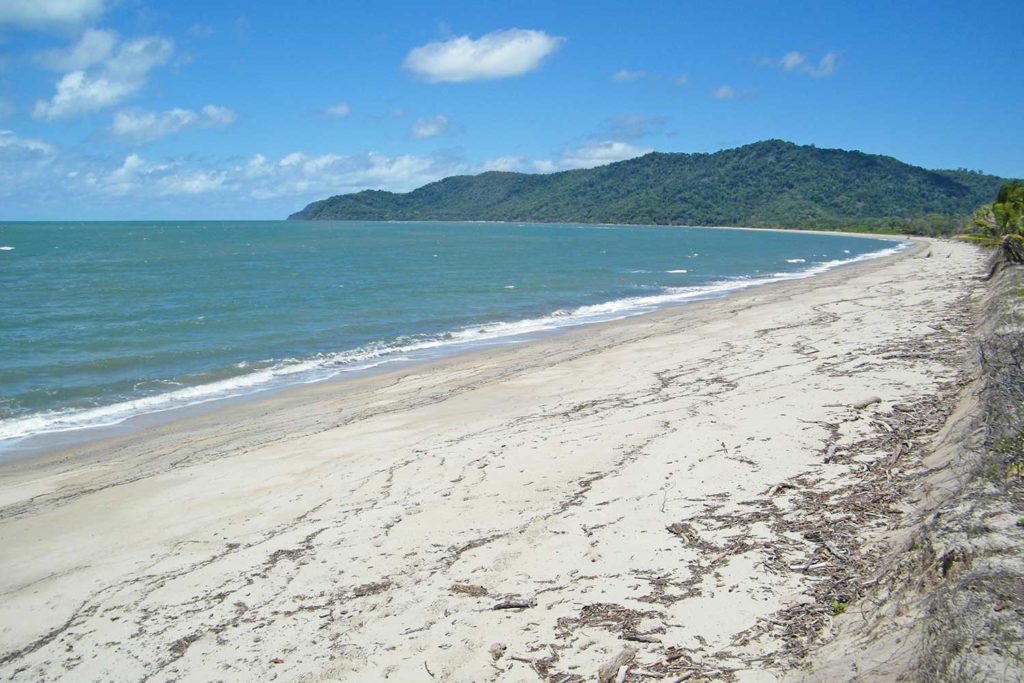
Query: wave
pixel 676 271
pixel 270 374
pixel 797 260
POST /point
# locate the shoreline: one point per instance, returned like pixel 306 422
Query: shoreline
pixel 56 440
pixel 638 482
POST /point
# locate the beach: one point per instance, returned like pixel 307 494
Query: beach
pixel 670 483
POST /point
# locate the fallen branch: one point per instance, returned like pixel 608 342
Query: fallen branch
pixel 864 403
pixel 611 669
pixel 512 602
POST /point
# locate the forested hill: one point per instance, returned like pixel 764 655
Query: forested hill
pixel 766 184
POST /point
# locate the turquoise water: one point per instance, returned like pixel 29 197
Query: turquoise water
pixel 105 321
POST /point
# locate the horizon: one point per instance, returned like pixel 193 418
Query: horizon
pixel 122 109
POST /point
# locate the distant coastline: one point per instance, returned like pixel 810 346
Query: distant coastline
pixel 771 184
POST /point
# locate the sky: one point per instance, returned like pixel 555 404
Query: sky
pixel 178 110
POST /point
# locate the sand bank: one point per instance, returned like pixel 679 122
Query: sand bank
pixel 679 483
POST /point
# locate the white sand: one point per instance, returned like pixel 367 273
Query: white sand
pixel 325 527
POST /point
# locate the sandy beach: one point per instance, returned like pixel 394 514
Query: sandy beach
pixel 689 484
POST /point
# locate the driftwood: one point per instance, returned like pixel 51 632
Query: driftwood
pixel 609 671
pixel 514 602
pixel 865 402
pixel 834 550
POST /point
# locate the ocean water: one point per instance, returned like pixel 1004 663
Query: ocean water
pixel 101 322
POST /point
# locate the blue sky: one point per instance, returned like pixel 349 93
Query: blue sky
pixel 126 109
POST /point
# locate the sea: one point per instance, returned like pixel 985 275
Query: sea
pixel 103 323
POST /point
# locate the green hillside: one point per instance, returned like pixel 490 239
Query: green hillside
pixel 765 184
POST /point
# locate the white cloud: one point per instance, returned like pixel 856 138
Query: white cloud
pixel 50 14
pixel 138 177
pixel 500 54
pixel 27 168
pixel 93 47
pixel 309 177
pixel 430 127
pixel 680 80
pixel 510 163
pixel 625 75
pixel 797 61
pixel 138 126
pixel 107 81
pixel 11 144
pixel 792 60
pixel 257 167
pixel 337 111
pixel 215 115
pixel 293 159
pixel 196 182
pixel 724 92
pixel 826 66
pixel 37 177
pixel 590 155
pixel 35 173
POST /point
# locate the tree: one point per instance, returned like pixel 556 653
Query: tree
pixel 1000 225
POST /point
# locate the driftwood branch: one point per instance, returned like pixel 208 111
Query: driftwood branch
pixel 864 403
pixel 515 602
pixel 609 671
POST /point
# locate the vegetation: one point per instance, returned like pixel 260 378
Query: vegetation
pixel 1000 225
pixel 766 184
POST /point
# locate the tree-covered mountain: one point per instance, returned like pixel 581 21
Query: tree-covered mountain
pixel 765 184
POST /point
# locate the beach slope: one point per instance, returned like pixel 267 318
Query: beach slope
pixel 700 485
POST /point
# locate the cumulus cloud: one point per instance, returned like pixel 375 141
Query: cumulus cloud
pixel 510 163
pixel 138 126
pixel 50 14
pixel 107 73
pixel 798 61
pixel 337 111
pixel 625 76
pixel 430 127
pixel 301 175
pixel 501 54
pixel 592 154
pixel 35 173
pixel 137 176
